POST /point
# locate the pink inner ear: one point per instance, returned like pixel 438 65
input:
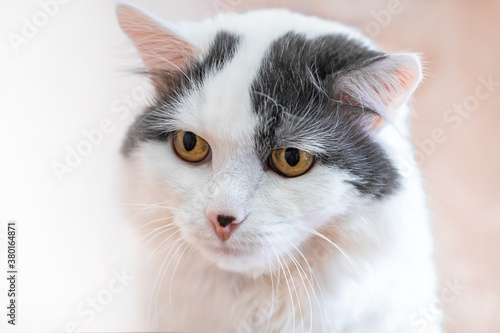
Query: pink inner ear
pixel 406 79
pixel 395 97
pixel 382 86
pixel 346 99
pixel 160 48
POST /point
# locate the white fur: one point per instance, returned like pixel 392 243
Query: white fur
pixel 377 272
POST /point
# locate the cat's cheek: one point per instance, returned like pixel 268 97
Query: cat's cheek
pixel 310 200
pixel 174 182
pixel 160 161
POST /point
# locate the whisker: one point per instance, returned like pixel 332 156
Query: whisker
pixel 119 239
pixel 352 263
pixel 313 275
pixel 299 306
pixel 288 285
pixel 297 265
pixel 163 278
pixel 154 296
pixel 153 253
pixel 272 290
pixel 145 207
pixel 186 246
pixel 170 225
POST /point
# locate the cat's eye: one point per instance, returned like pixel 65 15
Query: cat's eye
pixel 291 162
pixel 190 147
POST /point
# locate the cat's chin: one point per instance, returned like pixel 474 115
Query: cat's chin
pixel 235 260
pixel 246 266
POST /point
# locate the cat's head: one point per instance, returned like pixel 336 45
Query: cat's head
pixel 264 127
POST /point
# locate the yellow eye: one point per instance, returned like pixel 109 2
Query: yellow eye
pixel 190 147
pixel 291 162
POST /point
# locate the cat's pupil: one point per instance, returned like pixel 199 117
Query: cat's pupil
pixel 189 141
pixel 292 156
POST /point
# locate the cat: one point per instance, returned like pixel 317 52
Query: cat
pixel 270 160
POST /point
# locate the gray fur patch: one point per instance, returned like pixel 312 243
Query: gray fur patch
pixel 292 97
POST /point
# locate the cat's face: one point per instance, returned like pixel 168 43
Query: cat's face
pixel 256 151
pixel 272 210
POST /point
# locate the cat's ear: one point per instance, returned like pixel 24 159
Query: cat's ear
pixel 160 48
pixel 381 85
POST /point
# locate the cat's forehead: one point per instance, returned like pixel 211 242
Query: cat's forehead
pixel 248 59
pixel 265 91
pixel 224 109
pixel 271 91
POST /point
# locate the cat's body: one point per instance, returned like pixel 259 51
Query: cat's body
pixel 345 247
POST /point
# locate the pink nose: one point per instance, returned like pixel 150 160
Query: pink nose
pixel 224 225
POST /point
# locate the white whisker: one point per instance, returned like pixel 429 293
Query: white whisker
pixel 288 286
pixel 313 275
pixel 352 263
pixel 299 267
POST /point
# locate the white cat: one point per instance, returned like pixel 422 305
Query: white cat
pixel 272 165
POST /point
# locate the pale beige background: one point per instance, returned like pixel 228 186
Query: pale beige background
pixel 66 77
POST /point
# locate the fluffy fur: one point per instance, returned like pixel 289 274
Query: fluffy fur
pixel 344 248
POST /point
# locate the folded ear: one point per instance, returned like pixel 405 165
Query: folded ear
pixel 381 85
pixel 160 48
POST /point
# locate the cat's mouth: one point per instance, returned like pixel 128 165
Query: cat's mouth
pixel 233 258
pixel 233 255
pixel 227 250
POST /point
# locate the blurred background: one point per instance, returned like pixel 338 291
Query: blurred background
pixel 60 74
